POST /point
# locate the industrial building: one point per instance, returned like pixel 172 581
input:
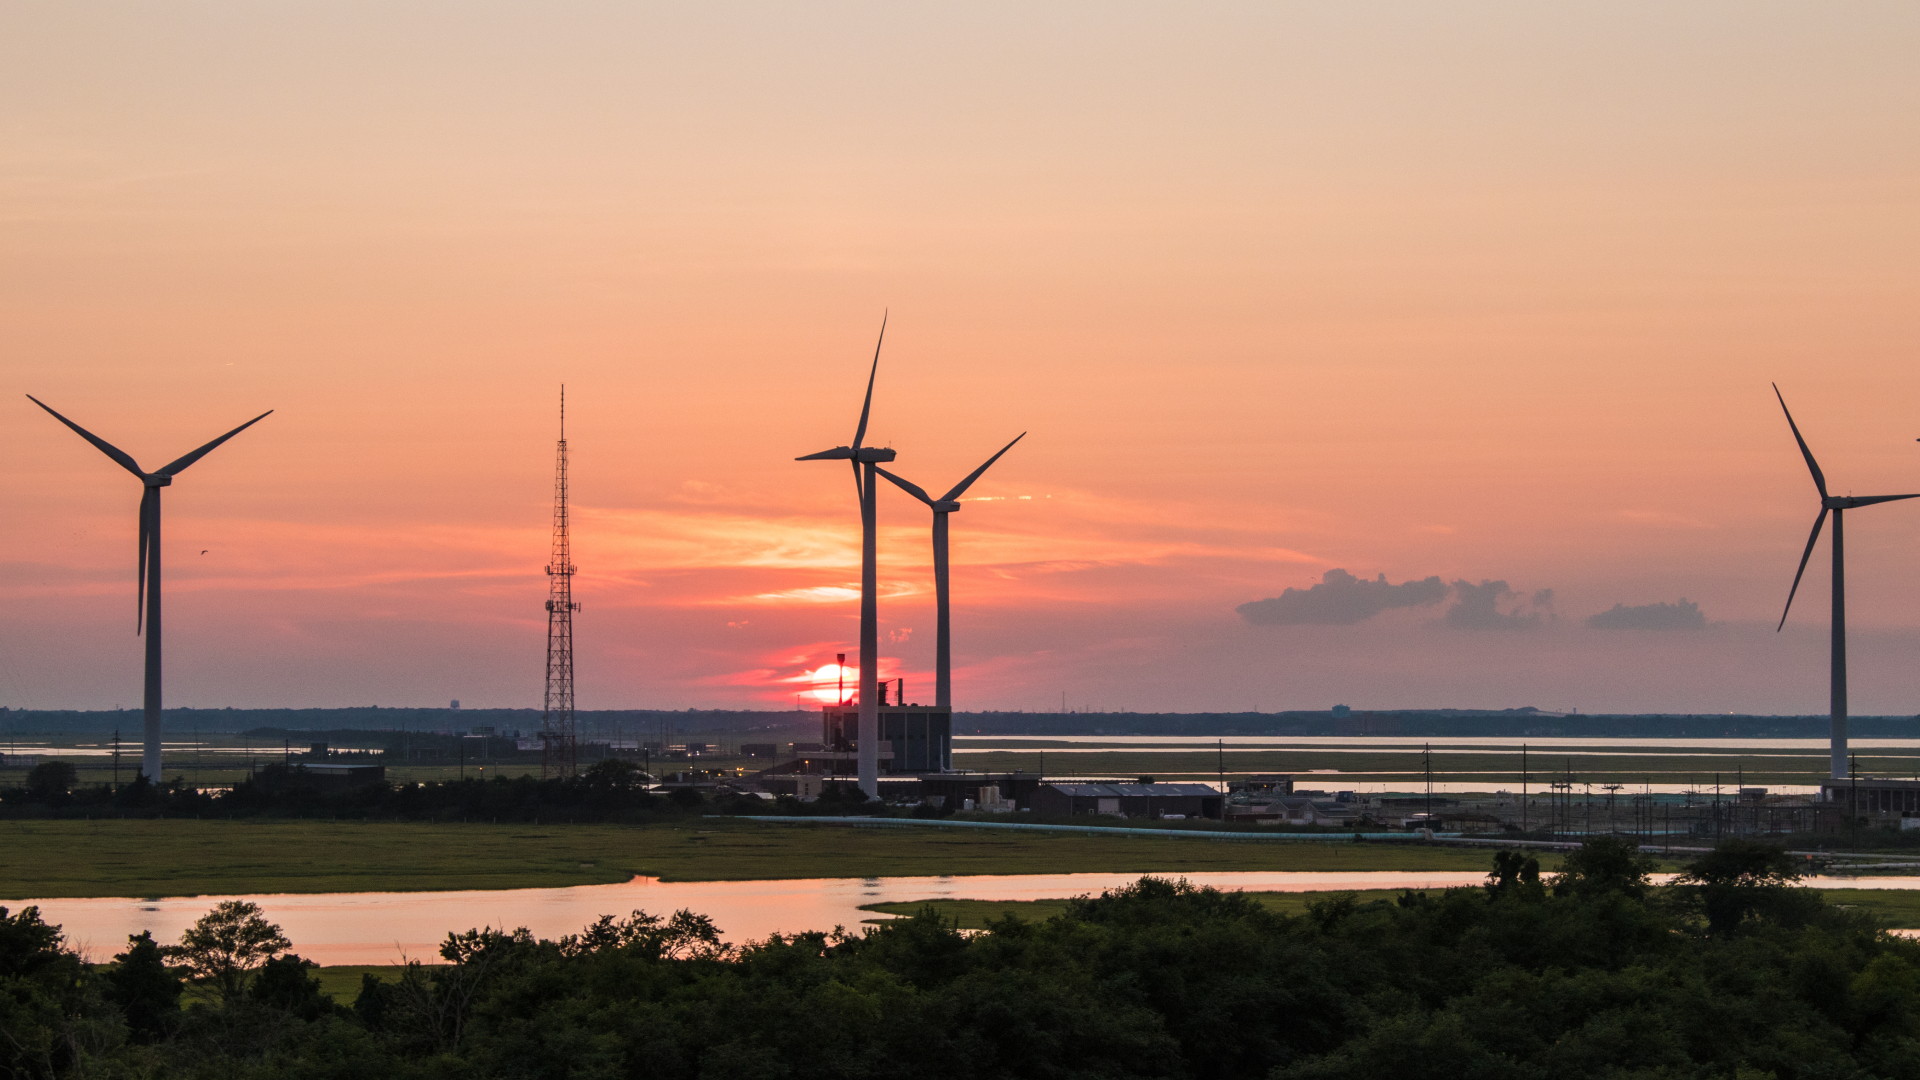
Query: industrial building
pixel 1265 785
pixel 1126 800
pixel 341 773
pixel 913 738
pixel 1874 798
pixel 1291 810
pixel 993 790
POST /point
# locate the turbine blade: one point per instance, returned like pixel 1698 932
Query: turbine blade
pixel 834 454
pixel 147 497
pixel 907 486
pixel 859 489
pixel 961 488
pixel 860 432
pixel 1819 480
pixel 1869 500
pixel 181 463
pixel 104 446
pixel 1808 554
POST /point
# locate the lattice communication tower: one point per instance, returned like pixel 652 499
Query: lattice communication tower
pixel 557 742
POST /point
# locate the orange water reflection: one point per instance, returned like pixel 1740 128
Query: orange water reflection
pixel 381 928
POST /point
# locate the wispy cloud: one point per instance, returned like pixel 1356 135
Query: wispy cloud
pixel 824 594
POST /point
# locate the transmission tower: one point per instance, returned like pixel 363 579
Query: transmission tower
pixel 557 744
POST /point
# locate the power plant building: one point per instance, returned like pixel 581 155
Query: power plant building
pixel 913 738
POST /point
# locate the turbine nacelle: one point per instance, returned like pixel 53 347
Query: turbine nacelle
pixel 1848 502
pixel 948 503
pixel 866 454
pixel 941 507
pixel 152 482
pixel 1828 504
pixel 146 615
pixel 870 456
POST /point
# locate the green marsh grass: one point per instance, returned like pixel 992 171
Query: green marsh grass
pixel 196 858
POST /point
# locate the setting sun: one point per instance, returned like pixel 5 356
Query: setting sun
pixel 832 683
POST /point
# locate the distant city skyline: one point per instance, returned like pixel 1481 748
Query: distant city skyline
pixel 1457 323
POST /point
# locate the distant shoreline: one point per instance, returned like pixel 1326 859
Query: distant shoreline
pixel 1510 723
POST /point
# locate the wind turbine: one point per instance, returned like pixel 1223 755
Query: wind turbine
pixel 941 507
pixel 869 456
pixel 1837 504
pixel 147 606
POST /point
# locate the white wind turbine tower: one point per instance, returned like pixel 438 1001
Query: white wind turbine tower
pixel 1837 669
pixel 941 507
pixel 147 606
pixel 870 457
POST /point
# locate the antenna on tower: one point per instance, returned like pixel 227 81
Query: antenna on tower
pixel 558 751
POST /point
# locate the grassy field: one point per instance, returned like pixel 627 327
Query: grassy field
pixel 1899 908
pixel 342 983
pixel 193 858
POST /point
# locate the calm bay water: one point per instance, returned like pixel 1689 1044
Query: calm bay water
pixel 379 928
pixel 383 928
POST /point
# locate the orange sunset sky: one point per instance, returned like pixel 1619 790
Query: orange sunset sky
pixel 1491 292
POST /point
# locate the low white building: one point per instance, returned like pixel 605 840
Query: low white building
pixel 1294 810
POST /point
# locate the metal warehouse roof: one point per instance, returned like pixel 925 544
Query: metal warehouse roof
pixel 1133 791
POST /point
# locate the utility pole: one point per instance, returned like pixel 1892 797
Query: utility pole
pixel 1426 756
pixel 558 750
pixel 1220 747
pixel 1853 770
pixel 1523 787
pixel 116 759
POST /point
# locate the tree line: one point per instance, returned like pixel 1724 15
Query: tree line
pixel 612 790
pixel 1734 972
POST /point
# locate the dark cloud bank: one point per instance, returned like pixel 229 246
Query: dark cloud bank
pixel 1478 607
pixel 1342 600
pixel 1685 615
